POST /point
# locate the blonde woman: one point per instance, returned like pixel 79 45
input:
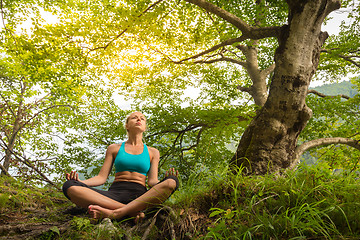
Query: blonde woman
pixel 134 163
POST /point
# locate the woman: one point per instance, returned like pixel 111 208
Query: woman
pixel 127 196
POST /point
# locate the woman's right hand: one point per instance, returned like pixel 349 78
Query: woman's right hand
pixel 73 175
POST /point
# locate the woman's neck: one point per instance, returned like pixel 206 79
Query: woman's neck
pixel 135 140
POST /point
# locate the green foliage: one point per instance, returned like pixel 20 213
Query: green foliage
pixel 42 83
pixel 193 138
pixel 18 199
pixel 4 199
pixel 71 71
pixel 94 51
pixel 55 230
pixel 312 202
pixel 308 203
pixel 342 48
pixel 335 117
pixel 81 223
pixel 200 183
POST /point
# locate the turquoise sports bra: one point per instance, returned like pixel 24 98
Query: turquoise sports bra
pixel 132 162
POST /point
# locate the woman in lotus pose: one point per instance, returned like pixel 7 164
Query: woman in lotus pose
pixel 127 196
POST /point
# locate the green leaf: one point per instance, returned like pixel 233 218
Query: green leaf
pixel 55 229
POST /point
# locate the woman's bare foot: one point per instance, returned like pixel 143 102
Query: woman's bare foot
pixel 98 212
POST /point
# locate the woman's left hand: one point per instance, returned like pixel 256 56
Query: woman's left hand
pixel 172 171
pixel 73 175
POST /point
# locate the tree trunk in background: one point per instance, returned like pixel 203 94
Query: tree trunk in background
pixel 269 142
pixel 15 130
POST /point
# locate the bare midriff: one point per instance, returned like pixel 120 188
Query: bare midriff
pixel 127 176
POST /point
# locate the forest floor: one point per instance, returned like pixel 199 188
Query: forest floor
pixel 32 213
pixel 306 204
pixel 28 212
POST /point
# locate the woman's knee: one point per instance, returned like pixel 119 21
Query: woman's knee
pixel 69 186
pixel 171 182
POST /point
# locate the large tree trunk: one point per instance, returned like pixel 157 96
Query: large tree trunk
pixel 268 144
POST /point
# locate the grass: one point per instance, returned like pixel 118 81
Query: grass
pixel 310 203
pixel 17 198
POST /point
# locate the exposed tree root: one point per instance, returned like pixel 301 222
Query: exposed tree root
pixel 29 230
pixel 148 229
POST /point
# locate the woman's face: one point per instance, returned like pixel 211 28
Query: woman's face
pixel 136 121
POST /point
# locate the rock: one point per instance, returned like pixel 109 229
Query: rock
pixel 107 225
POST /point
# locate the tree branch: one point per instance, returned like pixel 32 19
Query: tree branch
pixel 323 95
pixel 38 101
pixel 346 58
pixel 268 70
pixel 7 104
pixel 264 32
pixel 244 89
pixel 229 17
pixel 38 113
pixel 188 128
pixel 28 163
pixel 349 59
pixel 222 59
pixel 322 142
pixel 223 44
pixel 108 44
pixel 248 32
pixel 3 171
pixel 197 141
pixel 3 21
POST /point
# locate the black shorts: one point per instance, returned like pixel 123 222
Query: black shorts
pixel 123 192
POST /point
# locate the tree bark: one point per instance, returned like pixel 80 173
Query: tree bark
pixel 15 130
pixel 258 90
pixel 269 142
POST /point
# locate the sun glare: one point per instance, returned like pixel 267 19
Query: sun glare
pixel 47 19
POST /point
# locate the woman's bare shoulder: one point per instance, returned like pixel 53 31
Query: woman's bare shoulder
pixel 154 152
pixel 152 149
pixel 114 147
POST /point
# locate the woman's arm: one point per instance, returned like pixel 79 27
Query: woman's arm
pixel 154 164
pixel 104 171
